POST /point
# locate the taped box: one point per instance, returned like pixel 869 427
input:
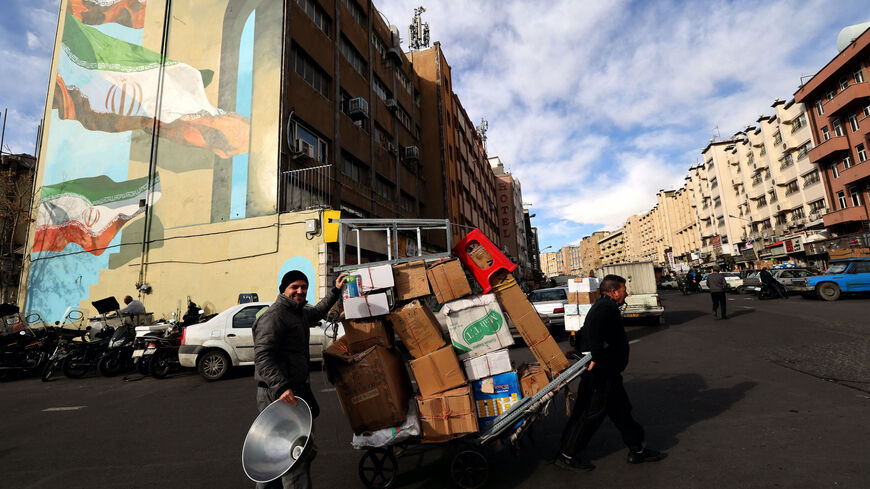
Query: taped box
pixel 574 322
pixel 583 297
pixel 411 280
pixel 366 306
pixel 364 280
pixel 494 396
pixel 487 365
pixel 548 353
pixel 373 387
pixel 447 279
pixel 447 415
pixel 477 325
pixel 366 331
pixel 437 372
pixel 585 284
pixel 418 329
pixel 533 378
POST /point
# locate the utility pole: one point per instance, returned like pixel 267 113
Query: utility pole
pixel 3 133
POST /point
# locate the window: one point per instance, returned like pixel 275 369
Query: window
pixel 354 169
pixel 762 203
pixel 383 187
pixel 763 150
pixel 772 195
pixel 826 134
pixel 780 219
pixel 404 81
pixel 786 161
pixel 811 178
pixel 798 122
pixel 841 198
pixel 767 173
pixel 791 187
pixel 313 74
pixel 382 136
pixel 819 109
pixel 866 111
pixel 355 12
pixel 858 76
pixel 406 203
pixel 304 136
pixel 804 149
pixel 835 172
pixel 838 128
pixel 853 122
pixel 714 183
pixel 381 90
pixel 379 45
pixel 844 84
pixel 847 162
pixel 860 267
pixel 830 94
pixel 777 138
pixel 856 196
pixel 403 117
pixel 817 205
pixel 862 153
pixel 353 57
pixel 797 212
pixel 245 318
pixel 316 13
pixel 756 178
pixel 717 202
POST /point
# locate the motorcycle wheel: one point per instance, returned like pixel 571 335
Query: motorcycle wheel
pixel 143 365
pixel 160 365
pixel 34 361
pixel 48 370
pixel 109 365
pixel 73 370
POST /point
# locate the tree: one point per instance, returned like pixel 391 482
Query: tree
pixel 16 185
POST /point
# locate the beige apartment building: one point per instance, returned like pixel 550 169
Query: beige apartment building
pixel 612 248
pixel 686 234
pixel 571 261
pixel 667 230
pixel 551 263
pixel 590 253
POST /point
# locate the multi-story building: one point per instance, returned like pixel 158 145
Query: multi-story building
pixel 590 253
pixel 511 223
pixel 16 194
pixel 839 95
pixel 572 264
pixel 459 181
pixel 532 241
pixel 551 263
pixel 612 248
pixel 686 237
pixel 631 232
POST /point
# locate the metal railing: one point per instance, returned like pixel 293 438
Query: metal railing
pixel 306 188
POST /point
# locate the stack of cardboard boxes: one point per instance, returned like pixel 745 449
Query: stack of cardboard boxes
pixel 462 385
pixel 582 293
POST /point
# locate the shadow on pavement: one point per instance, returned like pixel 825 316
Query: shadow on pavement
pixel 739 312
pixel 681 317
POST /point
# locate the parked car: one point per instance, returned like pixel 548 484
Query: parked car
pixel 226 341
pixel 551 303
pixel 731 278
pixel 792 279
pixel 844 276
pixel 669 283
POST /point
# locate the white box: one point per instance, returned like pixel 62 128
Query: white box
pixel 586 284
pixel 583 309
pixel 366 306
pixel 477 325
pixel 371 278
pixel 571 310
pixel 574 323
pixel 492 363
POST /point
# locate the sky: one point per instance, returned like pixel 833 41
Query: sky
pixel 594 106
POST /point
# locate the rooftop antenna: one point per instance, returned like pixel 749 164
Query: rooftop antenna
pixel 481 129
pixel 418 31
pixel 718 135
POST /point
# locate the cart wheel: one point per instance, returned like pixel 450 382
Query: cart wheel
pixel 377 468
pixel 469 469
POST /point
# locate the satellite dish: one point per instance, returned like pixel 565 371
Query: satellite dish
pixel 849 34
pixel 276 440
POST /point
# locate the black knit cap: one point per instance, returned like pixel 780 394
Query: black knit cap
pixel 289 278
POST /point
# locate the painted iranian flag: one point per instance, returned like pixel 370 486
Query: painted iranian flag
pixel 89 211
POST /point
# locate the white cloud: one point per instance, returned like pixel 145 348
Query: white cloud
pixel 32 40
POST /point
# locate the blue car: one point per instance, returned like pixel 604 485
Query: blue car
pixel 842 277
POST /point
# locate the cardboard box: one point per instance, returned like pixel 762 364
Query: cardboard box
pixel 447 279
pixel 583 297
pixel 574 322
pixel 411 280
pixel 477 325
pixel 548 354
pixel 364 280
pixel 366 306
pixel 492 363
pixel 447 415
pixel 418 329
pixel 495 395
pixel 372 386
pixel 359 331
pixel 586 284
pixel 437 372
pixel 533 378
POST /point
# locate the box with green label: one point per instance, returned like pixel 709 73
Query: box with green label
pixel 477 325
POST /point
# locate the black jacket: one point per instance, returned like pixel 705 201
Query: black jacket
pixel 604 336
pixel 281 342
pixel 766 277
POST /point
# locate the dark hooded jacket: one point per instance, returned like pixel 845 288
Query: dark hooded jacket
pixel 281 343
pixel 604 336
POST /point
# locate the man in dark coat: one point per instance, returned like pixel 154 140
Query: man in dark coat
pixel 281 359
pixel 767 279
pixel 718 285
pixel 601 392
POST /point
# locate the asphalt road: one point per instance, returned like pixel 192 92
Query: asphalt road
pixel 775 396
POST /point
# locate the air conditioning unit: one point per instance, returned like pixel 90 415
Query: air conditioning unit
pixel 391 104
pixel 305 148
pixel 394 54
pixel 814 216
pixel 358 108
pixel 411 153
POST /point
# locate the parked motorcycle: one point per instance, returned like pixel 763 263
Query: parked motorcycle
pixel 22 349
pixel 84 355
pixel 164 350
pixel 66 332
pixel 119 353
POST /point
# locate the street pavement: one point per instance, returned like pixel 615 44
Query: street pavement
pixel 775 396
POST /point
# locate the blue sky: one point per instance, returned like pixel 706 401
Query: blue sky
pixel 594 106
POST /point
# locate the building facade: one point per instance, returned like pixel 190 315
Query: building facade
pixel 590 253
pixel 511 220
pixel 551 263
pixel 612 248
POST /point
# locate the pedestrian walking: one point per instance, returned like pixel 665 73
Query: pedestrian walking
pixel 767 279
pixel 281 359
pixel 601 392
pixel 718 286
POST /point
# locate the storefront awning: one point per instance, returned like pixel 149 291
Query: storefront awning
pixel 778 243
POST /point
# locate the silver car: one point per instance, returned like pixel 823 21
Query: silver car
pixel 793 279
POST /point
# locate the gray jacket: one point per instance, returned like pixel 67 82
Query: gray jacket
pixel 716 282
pixel 281 342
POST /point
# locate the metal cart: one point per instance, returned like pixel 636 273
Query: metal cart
pixel 469 468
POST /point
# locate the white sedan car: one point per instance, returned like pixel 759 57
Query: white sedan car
pixel 226 340
pixel 732 279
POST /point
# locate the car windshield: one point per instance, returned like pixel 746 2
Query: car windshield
pixel 549 295
pixel 836 268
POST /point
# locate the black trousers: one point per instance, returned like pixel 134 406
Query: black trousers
pixel 719 301
pixel 599 396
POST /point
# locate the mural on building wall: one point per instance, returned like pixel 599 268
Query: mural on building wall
pixel 133 132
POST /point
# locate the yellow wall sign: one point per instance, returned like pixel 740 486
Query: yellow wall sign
pixel 330 229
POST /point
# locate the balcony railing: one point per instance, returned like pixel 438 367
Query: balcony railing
pixel 846 215
pixel 855 91
pixel 828 148
pixel 306 188
pixel 855 173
